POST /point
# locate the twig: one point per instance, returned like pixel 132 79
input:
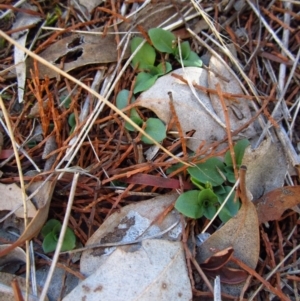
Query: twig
pixel 61 237
pixel 13 142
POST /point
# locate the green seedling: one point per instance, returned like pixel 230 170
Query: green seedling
pixel 144 60
pixel 154 126
pixel 212 178
pixel 50 233
pixel 72 122
pixel 165 41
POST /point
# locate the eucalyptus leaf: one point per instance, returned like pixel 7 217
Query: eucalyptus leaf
pixel 188 204
pixel 208 172
pixel 162 40
pixel 156 129
pixel 144 81
pixel 145 57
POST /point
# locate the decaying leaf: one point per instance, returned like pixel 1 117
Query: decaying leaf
pixel 267 167
pixel 191 114
pixel 215 266
pixel 43 197
pixel 132 222
pixel 84 49
pixel 238 109
pixel 6 291
pixel 271 206
pixel 240 232
pixel 22 20
pixel 154 270
pixel 11 198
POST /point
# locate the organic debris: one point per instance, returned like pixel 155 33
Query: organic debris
pixel 247 89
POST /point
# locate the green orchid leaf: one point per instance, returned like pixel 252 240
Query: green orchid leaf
pixel 49 226
pixel 69 242
pixel 122 99
pixel 197 183
pixel 144 81
pixel 219 190
pixel 162 40
pixel 135 117
pixel 185 51
pixel 207 198
pixel 163 68
pixel 49 243
pixel 208 172
pixel 72 120
pixel 231 207
pixel 156 129
pixel 209 212
pixel 229 173
pixel 193 60
pixel 239 150
pixel 173 168
pixel 51 231
pixel 188 204
pixel 145 57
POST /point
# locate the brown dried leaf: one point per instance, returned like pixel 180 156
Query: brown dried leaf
pixel 271 206
pixel 218 260
pixel 238 111
pixel 44 197
pixel 84 49
pixel 228 275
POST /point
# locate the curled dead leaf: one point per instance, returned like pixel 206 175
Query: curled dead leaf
pixel 271 206
pixel 43 197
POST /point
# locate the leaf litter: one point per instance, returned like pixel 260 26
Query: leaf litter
pixel 120 153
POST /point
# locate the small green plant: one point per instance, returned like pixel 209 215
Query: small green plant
pixel 144 60
pixel 50 233
pixel 72 122
pixel 214 179
pixel 154 126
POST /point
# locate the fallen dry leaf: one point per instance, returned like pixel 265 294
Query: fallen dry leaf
pixel 156 181
pixel 271 206
pixel 11 198
pixel 187 107
pixel 132 222
pixel 84 49
pixel 43 197
pixel 153 270
pixel 267 167
pixel 240 232
pixel 6 291
pixel 238 111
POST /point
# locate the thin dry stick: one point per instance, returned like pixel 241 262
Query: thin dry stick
pixel 61 237
pixel 17 291
pixel 261 279
pixel 227 121
pixel 13 142
pixel 274 271
pixel 100 97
